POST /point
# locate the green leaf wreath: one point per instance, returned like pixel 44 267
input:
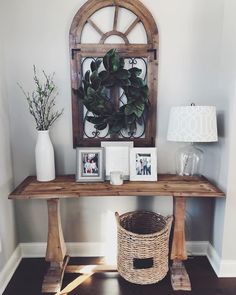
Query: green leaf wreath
pixel 94 94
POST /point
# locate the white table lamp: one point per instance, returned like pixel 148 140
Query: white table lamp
pixel 191 124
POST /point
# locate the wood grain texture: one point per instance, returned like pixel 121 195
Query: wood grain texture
pixel 52 281
pixel 96 28
pixel 124 50
pixel 131 27
pixel 148 50
pixel 114 33
pixel 56 247
pixel 66 187
pixel 115 18
pixel 179 277
pixel 178 251
pixel 91 6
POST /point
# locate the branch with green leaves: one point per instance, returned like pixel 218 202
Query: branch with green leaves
pixel 94 91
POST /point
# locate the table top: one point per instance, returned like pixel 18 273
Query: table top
pixel 66 187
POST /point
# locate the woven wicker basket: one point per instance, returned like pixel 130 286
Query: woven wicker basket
pixel 143 246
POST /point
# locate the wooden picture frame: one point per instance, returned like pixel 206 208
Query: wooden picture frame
pixel 147 51
pixel 89 164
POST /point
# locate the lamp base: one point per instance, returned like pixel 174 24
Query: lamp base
pixel 188 159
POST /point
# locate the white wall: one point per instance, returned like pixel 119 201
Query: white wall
pixel 222 170
pixel 228 81
pixel 7 225
pixel 190 44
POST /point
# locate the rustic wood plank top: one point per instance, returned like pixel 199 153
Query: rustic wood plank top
pixel 66 187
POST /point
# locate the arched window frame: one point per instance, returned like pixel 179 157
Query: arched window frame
pixel 79 50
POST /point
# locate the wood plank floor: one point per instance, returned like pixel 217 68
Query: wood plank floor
pixel 28 278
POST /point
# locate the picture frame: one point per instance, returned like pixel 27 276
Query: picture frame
pixel 117 155
pixel 89 164
pixel 143 164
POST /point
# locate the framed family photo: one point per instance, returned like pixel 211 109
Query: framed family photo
pixel 90 164
pixel 143 164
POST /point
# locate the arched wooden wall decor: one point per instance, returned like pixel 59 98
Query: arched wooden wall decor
pixel 146 52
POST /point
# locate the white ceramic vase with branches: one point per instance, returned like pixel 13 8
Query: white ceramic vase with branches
pixel 44 157
pixel 41 104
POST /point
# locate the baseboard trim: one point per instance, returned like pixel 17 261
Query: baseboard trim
pixel 86 249
pixel 83 249
pixel 197 248
pixel 214 258
pixel 9 268
pixel 33 250
pixel 227 269
pixel 224 268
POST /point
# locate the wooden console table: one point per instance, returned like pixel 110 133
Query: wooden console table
pixel 66 187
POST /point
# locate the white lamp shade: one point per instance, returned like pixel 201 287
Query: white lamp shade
pixel 192 124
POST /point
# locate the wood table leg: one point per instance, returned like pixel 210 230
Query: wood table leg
pixel 56 249
pixel 179 276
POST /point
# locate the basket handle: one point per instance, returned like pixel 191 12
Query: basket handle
pixel 117 217
pixel 169 220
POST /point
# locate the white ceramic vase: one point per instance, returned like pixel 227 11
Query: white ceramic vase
pixel 44 157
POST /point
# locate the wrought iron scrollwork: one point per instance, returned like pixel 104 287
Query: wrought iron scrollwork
pixel 89 130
